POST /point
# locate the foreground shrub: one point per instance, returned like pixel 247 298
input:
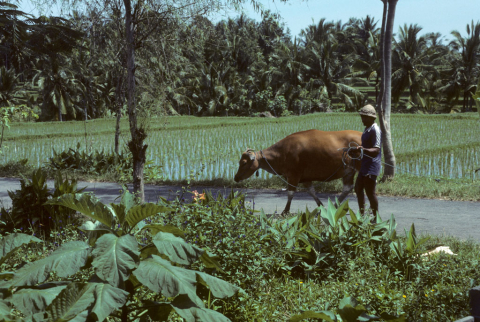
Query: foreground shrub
pixel 118 273
pixel 322 242
pixel 228 227
pixel 29 211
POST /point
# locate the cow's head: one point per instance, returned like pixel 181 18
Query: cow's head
pixel 247 165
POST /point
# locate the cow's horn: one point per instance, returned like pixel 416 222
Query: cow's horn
pixel 252 154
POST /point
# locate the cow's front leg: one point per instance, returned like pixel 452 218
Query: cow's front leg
pixel 347 185
pixel 286 211
pixel 311 192
pixel 292 187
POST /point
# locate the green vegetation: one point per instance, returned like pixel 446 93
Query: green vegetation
pixel 206 150
pixel 62 69
pixel 214 257
pixel 67 256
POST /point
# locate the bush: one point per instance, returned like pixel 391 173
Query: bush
pixel 225 226
pixel 97 162
pixel 113 274
pixel 29 211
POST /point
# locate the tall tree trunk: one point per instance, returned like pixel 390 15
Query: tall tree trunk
pixel 85 125
pixel 136 145
pixel 59 113
pixel 119 103
pixel 386 93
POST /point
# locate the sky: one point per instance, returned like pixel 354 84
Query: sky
pixel 432 15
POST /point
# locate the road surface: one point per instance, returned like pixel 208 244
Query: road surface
pixel 437 217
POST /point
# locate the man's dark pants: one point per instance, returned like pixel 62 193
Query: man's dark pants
pixel 367 183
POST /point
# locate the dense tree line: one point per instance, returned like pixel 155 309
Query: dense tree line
pixel 75 67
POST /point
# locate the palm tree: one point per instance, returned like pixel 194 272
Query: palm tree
pixel 327 66
pixel 13 37
pixel 367 46
pixel 58 87
pixel 8 84
pixel 286 72
pixel 465 66
pixel 411 65
pixel 53 39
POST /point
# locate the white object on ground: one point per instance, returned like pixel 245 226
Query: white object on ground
pixel 445 249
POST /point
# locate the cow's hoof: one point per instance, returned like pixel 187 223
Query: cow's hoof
pixel 285 214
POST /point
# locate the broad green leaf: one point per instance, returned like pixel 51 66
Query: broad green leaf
pixel 210 261
pixel 86 205
pixel 349 310
pixel 30 301
pixel 156 228
pixel 140 212
pixel 341 211
pixel 7 275
pixel 176 248
pixel 127 199
pixel 411 239
pixel 72 303
pixel 120 212
pixel 5 310
pixel 324 315
pixel 12 242
pixel 353 216
pixel 107 300
pixel 115 257
pixel 65 261
pixel 187 309
pixel 218 287
pixel 158 311
pixel 148 250
pixel 160 276
pixel 392 318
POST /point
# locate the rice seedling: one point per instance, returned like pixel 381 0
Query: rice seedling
pixel 209 148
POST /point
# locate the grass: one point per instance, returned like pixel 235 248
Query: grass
pixel 205 151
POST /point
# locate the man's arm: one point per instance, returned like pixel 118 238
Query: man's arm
pixel 371 152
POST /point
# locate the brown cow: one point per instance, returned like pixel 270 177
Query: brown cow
pixel 304 157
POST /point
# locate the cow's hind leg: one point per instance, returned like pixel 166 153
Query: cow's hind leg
pixel 347 185
pixel 311 192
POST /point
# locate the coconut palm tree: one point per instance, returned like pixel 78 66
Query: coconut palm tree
pixel 367 47
pixel 412 65
pixel 327 66
pixel 464 67
pixel 13 37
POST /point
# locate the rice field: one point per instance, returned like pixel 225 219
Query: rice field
pixel 208 148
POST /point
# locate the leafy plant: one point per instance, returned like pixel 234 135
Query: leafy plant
pixel 117 267
pixel 324 240
pixel 28 204
pixel 9 112
pixel 349 311
pixel 227 227
pixel 98 162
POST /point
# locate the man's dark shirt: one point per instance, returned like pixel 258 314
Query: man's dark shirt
pixel 372 138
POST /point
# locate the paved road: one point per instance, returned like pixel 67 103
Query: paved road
pixel 439 217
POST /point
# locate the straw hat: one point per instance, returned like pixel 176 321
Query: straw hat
pixel 368 110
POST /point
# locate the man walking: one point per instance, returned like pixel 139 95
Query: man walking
pixel 371 161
